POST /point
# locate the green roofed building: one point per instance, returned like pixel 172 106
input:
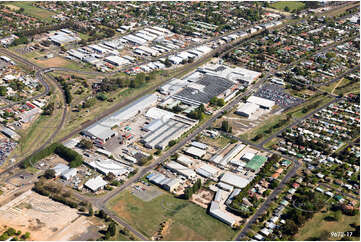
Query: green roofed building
pixel 256 162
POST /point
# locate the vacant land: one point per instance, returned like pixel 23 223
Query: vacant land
pixel 317 225
pixel 31 10
pixel 290 4
pixel 43 218
pixel 187 220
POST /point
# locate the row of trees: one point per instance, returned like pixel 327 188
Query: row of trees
pixel 66 88
pixel 67 154
pixel 73 157
pixel 54 193
pixel 198 113
pixel 217 101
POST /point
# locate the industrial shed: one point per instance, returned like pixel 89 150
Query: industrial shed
pixel 234 180
pixel 116 60
pixel 180 169
pixel 95 184
pixel 262 102
pixel 256 162
pixel 247 109
pixel 201 91
pixel 207 171
pixel 195 152
pixel 107 166
pixel 216 212
pixel 102 130
pixel 184 161
pixel 165 131
pixel 199 145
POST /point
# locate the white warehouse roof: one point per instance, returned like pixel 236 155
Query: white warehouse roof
pixel 262 102
pixel 185 171
pixel 234 180
pixel 247 109
pixel 216 212
pixel 195 151
pixel 116 60
pixel 95 184
pixel 157 113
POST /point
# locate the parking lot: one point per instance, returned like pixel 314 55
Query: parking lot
pixel 6 146
pixel 277 93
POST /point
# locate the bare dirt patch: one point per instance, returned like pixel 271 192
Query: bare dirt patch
pixel 43 218
pixel 55 61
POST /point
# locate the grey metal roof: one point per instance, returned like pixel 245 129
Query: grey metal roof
pixel 213 86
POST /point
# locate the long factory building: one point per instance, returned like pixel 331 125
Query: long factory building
pixel 102 130
pixel 166 130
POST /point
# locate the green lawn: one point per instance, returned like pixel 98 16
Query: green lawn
pixel 187 220
pixel 317 225
pixel 346 87
pixel 33 11
pixel 290 4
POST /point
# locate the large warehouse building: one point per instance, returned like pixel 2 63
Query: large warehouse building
pixel 166 129
pixel 203 90
pixel 234 180
pixel 262 102
pixel 102 130
pixel 247 109
pixel 180 169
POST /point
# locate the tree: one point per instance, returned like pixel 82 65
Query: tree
pixel 220 102
pixel 3 91
pixel 287 9
pixel 49 174
pixel 225 126
pixel 25 236
pixel 290 228
pixel 102 214
pixel 111 229
pixel 90 211
pixel 171 143
pixel 85 144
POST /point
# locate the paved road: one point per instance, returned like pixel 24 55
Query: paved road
pixel 269 200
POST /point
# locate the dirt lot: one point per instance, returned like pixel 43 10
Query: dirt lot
pixel 146 193
pixel 203 198
pixel 55 61
pixel 43 218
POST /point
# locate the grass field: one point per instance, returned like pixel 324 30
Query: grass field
pixel 290 4
pixel 317 225
pixel 346 87
pixel 188 221
pixel 33 11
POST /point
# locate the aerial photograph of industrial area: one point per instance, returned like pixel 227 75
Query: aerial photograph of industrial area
pixel 180 120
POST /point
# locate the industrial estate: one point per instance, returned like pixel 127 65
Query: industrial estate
pixel 180 120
